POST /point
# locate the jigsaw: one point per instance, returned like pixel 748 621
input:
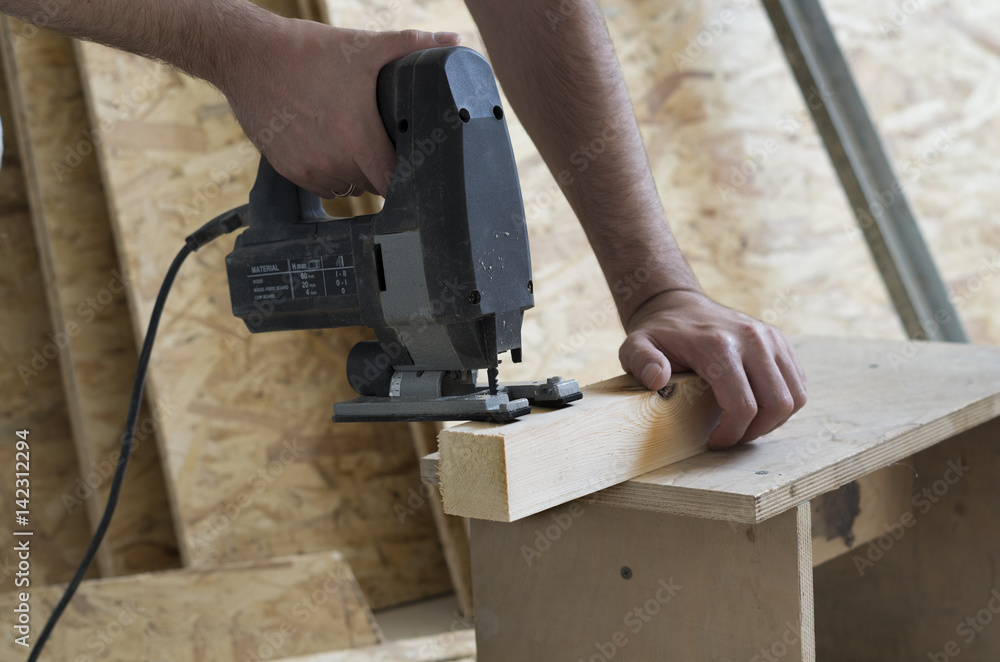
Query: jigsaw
pixel 442 274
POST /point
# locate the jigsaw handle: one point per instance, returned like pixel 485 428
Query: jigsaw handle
pixel 276 201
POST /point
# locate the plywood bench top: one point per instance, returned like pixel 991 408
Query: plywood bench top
pixel 871 403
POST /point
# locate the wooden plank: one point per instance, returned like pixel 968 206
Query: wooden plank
pixel 553 586
pixel 86 301
pixel 871 403
pixel 927 588
pixel 846 518
pixel 618 431
pixel 452 530
pixel 31 391
pixel 457 646
pixel 253 459
pixel 249 611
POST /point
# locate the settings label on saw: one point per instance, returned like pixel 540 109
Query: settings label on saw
pixel 299 278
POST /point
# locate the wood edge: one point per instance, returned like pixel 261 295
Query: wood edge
pixel 851 468
pixel 39 222
pixel 473 476
pixel 455 646
pixel 430 469
pixel 150 394
pixel 807 624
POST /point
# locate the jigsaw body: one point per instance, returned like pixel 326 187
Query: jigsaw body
pixel 442 274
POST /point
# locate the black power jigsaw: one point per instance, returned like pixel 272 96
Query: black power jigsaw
pixel 442 274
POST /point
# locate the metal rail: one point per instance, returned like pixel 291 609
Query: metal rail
pixel 873 190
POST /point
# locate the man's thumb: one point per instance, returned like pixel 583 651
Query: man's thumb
pixel 400 44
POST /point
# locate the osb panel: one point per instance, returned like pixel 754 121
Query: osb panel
pixel 32 402
pixel 87 302
pixel 745 179
pixel 777 244
pixel 257 466
pixel 930 71
pixel 251 611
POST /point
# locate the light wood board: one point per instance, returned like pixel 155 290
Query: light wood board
pixel 283 606
pixel 869 407
pixel 256 465
pixel 457 646
pixel 37 404
pixel 619 430
pixel 928 587
pixel 551 587
pixel 86 301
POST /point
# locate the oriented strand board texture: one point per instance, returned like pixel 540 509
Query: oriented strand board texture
pixel 87 300
pixel 250 611
pixel 257 467
pixel 32 402
pixel 745 179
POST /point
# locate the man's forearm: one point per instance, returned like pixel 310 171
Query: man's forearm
pixel 202 37
pixel 559 70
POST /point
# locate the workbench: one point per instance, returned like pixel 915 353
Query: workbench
pixel 865 528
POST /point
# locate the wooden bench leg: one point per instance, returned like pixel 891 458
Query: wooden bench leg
pixel 928 588
pixel 594 583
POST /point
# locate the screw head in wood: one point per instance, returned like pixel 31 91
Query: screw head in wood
pixel 626 572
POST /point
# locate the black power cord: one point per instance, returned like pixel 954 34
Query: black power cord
pixel 217 227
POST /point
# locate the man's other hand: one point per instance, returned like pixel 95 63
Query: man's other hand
pixel 750 365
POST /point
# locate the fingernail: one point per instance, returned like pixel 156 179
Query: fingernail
pixel 447 38
pixel 650 372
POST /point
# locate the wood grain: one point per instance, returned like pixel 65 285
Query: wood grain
pixel 551 587
pixel 284 606
pixel 256 465
pixel 32 391
pixel 619 430
pixel 871 403
pixel 86 301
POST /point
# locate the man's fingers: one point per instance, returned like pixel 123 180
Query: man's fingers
pixel 643 360
pixel 736 399
pixel 774 400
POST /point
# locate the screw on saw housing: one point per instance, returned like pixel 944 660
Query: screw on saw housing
pixel 439 274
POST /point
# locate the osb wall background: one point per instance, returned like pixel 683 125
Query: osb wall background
pixel 746 182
